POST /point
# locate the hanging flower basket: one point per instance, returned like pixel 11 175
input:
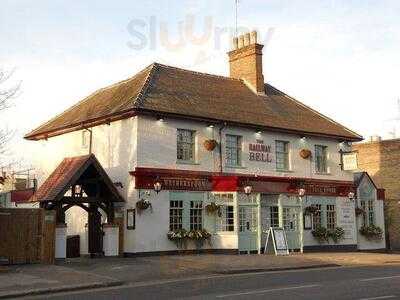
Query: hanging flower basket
pixel 210 145
pixel 305 153
pixel 213 208
pixel 143 205
pixel 359 211
pixel 310 210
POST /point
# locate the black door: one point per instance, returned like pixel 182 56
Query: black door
pixel 95 233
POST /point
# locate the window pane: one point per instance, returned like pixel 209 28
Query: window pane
pixel 282 155
pixel 196 215
pixel 317 221
pixel 233 150
pixel 330 217
pixel 321 153
pixel 175 215
pixel 185 144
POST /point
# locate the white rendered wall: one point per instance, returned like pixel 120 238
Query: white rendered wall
pixel 363 243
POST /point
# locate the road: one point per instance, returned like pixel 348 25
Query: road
pixel 366 283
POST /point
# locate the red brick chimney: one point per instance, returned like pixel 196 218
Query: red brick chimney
pixel 246 61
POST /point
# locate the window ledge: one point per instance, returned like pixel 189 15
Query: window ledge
pixel 323 173
pixel 184 162
pixel 284 171
pixel 235 167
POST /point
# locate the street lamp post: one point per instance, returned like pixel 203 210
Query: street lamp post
pixel 302 192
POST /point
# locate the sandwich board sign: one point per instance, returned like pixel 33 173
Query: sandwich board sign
pixel 276 240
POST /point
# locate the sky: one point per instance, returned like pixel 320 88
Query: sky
pixel 340 57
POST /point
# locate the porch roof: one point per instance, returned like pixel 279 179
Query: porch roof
pixel 75 170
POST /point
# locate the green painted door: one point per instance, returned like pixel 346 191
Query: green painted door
pixel 291 224
pixel 248 228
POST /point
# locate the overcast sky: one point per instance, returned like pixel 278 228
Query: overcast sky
pixel 340 57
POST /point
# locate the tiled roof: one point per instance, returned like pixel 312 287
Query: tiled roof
pixel 66 174
pixel 182 93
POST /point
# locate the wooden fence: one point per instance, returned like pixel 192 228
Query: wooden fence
pixel 27 235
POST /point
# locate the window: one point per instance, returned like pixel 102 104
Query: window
pixel 371 218
pixel 290 219
pixel 185 145
pixel 233 150
pixel 321 153
pixel 196 213
pixel 330 217
pixel 282 155
pixel 225 219
pixel 175 215
pixel 365 216
pixel 274 216
pixel 316 217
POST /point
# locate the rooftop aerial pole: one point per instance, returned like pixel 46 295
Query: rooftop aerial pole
pixel 236 17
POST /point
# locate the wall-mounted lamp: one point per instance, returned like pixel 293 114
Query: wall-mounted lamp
pixel 211 126
pixel 157 186
pixel 259 132
pixel 160 119
pixel 351 196
pixel 303 138
pixel 248 189
pixel 302 192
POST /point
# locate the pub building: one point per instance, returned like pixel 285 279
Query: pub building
pixel 191 154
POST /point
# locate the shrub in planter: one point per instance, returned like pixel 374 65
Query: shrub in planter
pixel 371 232
pixel 199 236
pixel 210 145
pixel 337 234
pixel 179 237
pixel 321 234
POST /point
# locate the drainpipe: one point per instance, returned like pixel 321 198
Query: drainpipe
pixel 90 139
pixel 220 146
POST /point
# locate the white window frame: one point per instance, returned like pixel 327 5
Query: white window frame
pixel 331 215
pixel 196 215
pixel 284 153
pixel 180 145
pixel 229 149
pixel 175 212
pixel 321 162
pixel 225 200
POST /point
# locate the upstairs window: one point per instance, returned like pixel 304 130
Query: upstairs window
pixel 282 155
pixel 233 150
pixel 321 158
pixel 185 145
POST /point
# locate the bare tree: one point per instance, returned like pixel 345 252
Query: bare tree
pixel 8 91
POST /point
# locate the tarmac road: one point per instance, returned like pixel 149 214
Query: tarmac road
pixel 366 283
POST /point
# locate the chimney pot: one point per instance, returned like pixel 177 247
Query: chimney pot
pixel 241 42
pixel 253 39
pixel 235 43
pixel 247 39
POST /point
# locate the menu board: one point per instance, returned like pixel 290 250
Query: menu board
pixel 277 237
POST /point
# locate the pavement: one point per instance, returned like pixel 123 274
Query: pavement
pixel 85 273
pixel 344 283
